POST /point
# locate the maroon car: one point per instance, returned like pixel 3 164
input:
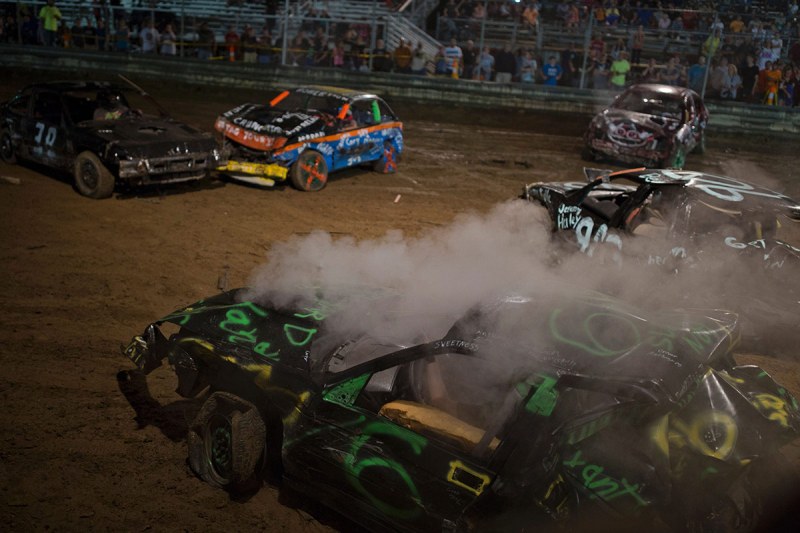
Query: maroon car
pixel 650 125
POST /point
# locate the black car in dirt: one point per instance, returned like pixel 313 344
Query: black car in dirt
pixel 691 223
pixel 561 408
pixel 651 125
pixel 104 135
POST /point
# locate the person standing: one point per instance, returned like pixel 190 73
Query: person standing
pixel 651 73
pixel 527 68
pixel 50 16
pixel 599 70
pixel 711 44
pixel 485 65
pixel 470 57
pixel 454 58
pixel 402 57
pixel 569 69
pixel 696 75
pixel 168 41
pixel 619 71
pixel 419 61
pixel 206 42
pixel 772 82
pixel 551 72
pixel 249 43
pixel 149 37
pixel 671 73
pixel 122 37
pixel 381 60
pixel 637 44
pixel 505 65
pixel 749 74
pixel 731 83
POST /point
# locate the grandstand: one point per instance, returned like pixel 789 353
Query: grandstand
pixel 408 20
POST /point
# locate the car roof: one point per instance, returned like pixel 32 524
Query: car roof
pixel 662 88
pixel 336 92
pixel 710 188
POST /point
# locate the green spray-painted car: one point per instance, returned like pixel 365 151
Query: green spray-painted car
pixel 551 410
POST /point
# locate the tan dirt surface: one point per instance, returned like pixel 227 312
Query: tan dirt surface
pixel 80 277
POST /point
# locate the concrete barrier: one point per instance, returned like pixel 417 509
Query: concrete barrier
pixel 733 117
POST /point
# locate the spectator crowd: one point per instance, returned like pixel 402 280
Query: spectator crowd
pixel 736 49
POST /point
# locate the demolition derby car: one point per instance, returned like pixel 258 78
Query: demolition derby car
pixel 649 124
pixel 304 134
pixel 556 408
pixel 682 220
pixel 104 135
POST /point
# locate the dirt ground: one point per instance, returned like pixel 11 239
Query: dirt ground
pixel 80 277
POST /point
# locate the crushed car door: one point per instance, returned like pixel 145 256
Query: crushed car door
pixel 45 133
pixel 408 461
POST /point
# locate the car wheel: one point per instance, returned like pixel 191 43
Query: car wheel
pixel 310 172
pixel 387 163
pixel 92 178
pixel 676 160
pixel 227 443
pixel 7 153
pixel 701 144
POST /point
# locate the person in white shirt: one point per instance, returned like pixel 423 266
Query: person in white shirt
pixel 168 39
pixel 454 57
pixel 149 36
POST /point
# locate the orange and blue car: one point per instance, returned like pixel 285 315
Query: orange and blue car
pixel 304 134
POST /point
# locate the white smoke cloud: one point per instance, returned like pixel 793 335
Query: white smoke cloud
pixel 440 274
pixel 412 288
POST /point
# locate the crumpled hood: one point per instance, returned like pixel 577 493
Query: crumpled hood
pixel 242 328
pixel 151 137
pixel 261 127
pixel 631 128
pixel 603 339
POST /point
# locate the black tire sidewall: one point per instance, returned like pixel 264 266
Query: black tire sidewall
pixel 104 187
pixel 10 158
pixel 248 437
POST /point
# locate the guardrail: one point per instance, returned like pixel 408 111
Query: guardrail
pixel 725 117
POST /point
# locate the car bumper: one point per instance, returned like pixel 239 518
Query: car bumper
pixel 255 173
pixel 170 169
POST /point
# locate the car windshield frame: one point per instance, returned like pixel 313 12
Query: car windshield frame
pixel 647 102
pixel 298 100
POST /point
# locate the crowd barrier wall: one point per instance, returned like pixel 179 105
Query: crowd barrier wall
pixel 729 117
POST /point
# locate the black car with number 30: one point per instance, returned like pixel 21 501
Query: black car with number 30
pixel 104 134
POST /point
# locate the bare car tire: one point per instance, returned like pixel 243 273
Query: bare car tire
pixel 227 443
pixel 310 172
pixel 92 178
pixel 7 153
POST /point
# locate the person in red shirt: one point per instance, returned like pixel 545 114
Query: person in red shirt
pixel 232 41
